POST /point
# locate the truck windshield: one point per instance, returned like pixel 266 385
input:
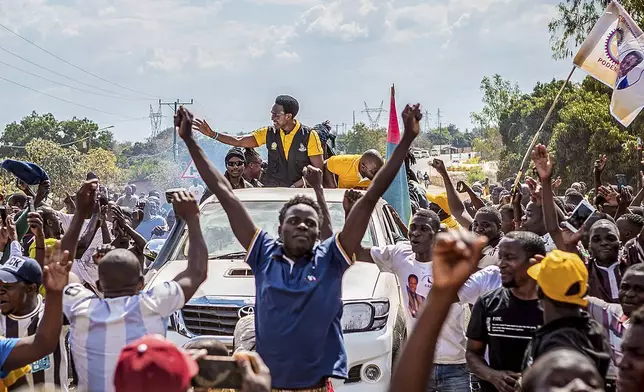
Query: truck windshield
pixel 221 241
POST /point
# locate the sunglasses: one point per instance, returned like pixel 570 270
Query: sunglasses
pixel 238 163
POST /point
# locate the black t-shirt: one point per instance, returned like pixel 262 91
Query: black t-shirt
pixel 506 324
pixel 579 333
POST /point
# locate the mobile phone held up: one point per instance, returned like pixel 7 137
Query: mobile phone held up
pixel 621 182
pixel 3 214
pixel 579 216
pixel 30 204
pixel 218 373
pixel 170 192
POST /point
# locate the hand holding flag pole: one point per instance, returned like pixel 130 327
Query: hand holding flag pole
pixel 536 135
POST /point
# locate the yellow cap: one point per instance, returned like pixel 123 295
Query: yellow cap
pixel 557 273
pixel 441 200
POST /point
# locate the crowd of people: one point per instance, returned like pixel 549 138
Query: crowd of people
pixel 505 292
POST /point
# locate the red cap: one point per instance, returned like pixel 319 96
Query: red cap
pixel 153 363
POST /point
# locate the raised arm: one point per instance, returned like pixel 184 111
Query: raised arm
pixel 313 177
pixel 598 168
pixel 544 166
pixel 46 339
pixel 317 161
pixel 358 218
pixel 195 274
pixel 243 227
pixel 85 200
pixel 456 206
pixel 36 226
pixel 245 141
pixel 351 196
pixel 455 257
pixel 477 202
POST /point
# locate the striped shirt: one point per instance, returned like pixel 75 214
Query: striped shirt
pixel 51 370
pixel 100 328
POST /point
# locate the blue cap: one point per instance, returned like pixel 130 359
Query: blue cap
pixel 29 173
pixel 21 269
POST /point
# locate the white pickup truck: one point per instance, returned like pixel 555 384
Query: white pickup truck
pixel 373 319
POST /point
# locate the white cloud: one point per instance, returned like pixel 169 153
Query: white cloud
pixel 233 56
pixel 330 20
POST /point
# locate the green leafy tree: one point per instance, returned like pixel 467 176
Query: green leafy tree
pixel 580 129
pixel 499 95
pixel 439 136
pixel 362 138
pixel 67 167
pixel 46 127
pixel 575 19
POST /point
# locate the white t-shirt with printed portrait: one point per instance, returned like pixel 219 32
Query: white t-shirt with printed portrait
pixel 415 283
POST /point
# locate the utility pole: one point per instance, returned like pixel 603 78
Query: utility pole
pixel 438 120
pixel 155 120
pixel 354 118
pixel 176 105
pixel 374 121
pixel 426 115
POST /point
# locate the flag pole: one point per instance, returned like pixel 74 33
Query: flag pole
pixel 543 123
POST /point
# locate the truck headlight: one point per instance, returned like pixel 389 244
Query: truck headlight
pixel 172 326
pixel 361 316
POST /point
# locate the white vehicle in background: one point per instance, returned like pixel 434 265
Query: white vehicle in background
pixel 373 320
pixel 436 151
pixel 424 154
pixel 417 154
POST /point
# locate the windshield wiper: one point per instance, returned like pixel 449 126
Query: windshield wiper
pixel 232 255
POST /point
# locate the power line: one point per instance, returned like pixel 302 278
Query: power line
pixel 69 86
pixel 64 100
pixel 64 144
pixel 63 76
pixel 73 65
pixel 176 105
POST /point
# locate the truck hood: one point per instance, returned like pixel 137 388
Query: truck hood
pixel 234 278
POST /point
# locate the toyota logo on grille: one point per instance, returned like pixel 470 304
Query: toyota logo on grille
pixel 246 311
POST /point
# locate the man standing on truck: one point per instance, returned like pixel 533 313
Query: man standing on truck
pixel 291 145
pixel 298 281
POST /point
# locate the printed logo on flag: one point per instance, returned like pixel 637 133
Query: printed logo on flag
pixel 614 39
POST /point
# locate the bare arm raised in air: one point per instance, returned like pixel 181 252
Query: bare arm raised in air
pixel 360 214
pixel 243 227
pixel 456 206
pixel 245 141
pixel 313 177
pixel 186 207
pixel 85 200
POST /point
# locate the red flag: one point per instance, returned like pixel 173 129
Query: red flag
pixel 393 133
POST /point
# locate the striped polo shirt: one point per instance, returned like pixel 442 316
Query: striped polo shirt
pixel 51 370
pixel 101 327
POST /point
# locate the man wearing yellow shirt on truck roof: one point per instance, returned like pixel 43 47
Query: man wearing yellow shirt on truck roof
pixel 291 145
pixel 353 171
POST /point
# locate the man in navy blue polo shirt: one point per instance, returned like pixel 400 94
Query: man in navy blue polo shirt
pixel 299 281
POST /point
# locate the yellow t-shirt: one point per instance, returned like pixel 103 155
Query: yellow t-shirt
pixel 49 243
pixel 314 146
pixel 346 167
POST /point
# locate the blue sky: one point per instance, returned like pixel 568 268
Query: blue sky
pixel 234 56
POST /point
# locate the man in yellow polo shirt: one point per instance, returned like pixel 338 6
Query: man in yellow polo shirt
pixel 291 145
pixel 353 171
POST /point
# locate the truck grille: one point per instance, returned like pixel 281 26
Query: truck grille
pixel 211 320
